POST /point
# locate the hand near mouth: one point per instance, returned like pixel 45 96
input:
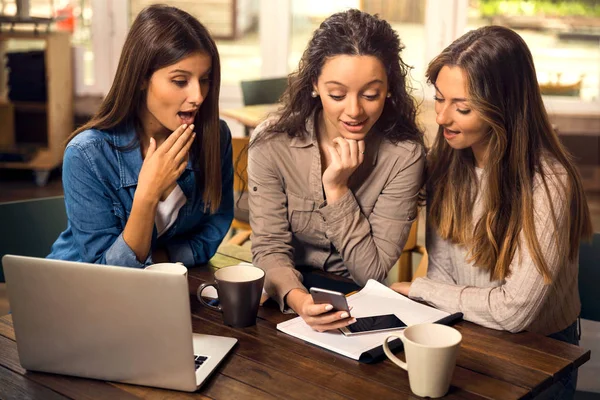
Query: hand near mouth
pixel 346 155
pixel 165 164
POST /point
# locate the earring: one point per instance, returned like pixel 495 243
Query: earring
pixel 388 95
pixel 314 94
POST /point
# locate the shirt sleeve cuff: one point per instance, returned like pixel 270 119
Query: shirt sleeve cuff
pixel 280 281
pixel 120 254
pixel 333 212
pixel 181 252
pixel 441 295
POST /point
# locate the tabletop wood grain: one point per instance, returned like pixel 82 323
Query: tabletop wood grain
pixel 269 364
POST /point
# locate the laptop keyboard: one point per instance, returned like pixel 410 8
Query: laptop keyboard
pixel 199 360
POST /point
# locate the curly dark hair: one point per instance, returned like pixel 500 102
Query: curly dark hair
pixel 351 32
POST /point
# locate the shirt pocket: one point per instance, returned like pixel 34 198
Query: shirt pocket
pixel 121 214
pixel 300 213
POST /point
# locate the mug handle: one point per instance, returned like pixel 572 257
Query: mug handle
pixel 390 355
pixel 204 303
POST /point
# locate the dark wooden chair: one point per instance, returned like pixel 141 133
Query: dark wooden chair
pixel 262 91
pixel 30 227
pixel 241 211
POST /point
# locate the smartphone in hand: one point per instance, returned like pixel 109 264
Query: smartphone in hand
pixel 336 299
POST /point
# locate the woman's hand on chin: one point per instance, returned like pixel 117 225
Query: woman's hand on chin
pixel 346 156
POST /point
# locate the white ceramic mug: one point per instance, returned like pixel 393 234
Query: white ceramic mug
pixel 171 268
pixel 430 351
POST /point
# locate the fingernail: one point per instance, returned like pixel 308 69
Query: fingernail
pixel 192 126
pixel 353 320
pixel 184 126
pixel 344 315
pixel 328 307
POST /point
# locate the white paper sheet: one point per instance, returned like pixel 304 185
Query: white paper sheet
pixel 374 299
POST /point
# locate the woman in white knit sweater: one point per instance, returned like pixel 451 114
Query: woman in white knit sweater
pixel 505 204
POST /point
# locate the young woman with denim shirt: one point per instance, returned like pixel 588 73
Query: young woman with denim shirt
pixel 506 207
pixel 149 177
pixel 334 179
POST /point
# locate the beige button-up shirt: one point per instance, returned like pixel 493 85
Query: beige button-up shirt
pixel 359 236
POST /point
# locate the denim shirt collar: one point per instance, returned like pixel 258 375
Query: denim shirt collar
pixel 130 159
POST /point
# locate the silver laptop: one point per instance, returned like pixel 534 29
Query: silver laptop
pixel 111 323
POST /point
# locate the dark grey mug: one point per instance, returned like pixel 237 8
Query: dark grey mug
pixel 239 288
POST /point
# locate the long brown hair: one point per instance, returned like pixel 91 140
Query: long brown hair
pixel 160 36
pixel 351 32
pixel 503 89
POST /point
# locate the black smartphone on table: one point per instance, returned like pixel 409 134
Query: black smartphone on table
pixel 376 323
pixel 336 299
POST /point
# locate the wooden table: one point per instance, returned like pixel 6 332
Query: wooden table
pixel 269 364
pixel 250 116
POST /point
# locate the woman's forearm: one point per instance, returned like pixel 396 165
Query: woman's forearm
pixel 138 229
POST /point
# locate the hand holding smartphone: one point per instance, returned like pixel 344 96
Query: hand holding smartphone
pixel 336 299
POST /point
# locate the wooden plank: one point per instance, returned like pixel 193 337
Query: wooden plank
pixel 513 353
pixel 7 116
pixel 6 327
pixel 227 388
pixel 73 387
pixel 475 359
pixel 16 386
pixel 306 372
pixel 59 81
pixel 81 388
pixel 276 383
pixel 157 394
pixel 487 386
pixel 570 352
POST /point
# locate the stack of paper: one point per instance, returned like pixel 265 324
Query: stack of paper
pixel 373 299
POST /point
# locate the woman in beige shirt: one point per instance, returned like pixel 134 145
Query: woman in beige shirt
pixel 334 178
pixel 506 208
